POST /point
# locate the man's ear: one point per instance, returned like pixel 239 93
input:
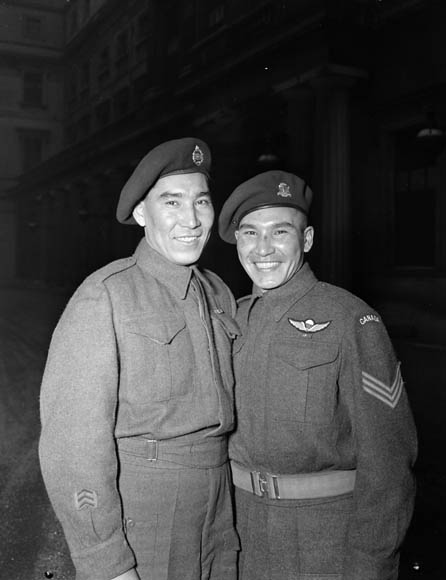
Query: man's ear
pixel 308 238
pixel 138 214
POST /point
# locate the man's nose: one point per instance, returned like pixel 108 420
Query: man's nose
pixel 189 217
pixel 264 246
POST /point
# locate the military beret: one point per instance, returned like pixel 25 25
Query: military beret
pixel 188 155
pixel 269 189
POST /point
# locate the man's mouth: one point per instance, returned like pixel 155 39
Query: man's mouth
pixel 267 265
pixel 187 239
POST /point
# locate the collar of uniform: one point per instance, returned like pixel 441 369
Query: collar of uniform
pixel 256 294
pixel 175 277
pixel 244 313
pixel 282 298
pixel 202 278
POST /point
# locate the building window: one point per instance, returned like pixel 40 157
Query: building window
pixel 85 10
pixel 121 103
pixel 71 134
pixel 104 65
pixel 140 86
pixel 103 114
pixel 122 50
pixel 216 16
pixel 33 89
pixel 414 206
pixel 85 79
pixel 32 28
pixel 142 27
pixel 32 143
pixel 73 21
pixel 84 126
pixel 72 82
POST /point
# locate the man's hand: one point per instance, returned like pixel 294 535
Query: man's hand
pixel 129 575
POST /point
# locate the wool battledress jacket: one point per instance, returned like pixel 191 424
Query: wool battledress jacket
pixel 129 358
pixel 318 388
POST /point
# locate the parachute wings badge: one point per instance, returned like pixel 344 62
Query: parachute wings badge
pixel 309 325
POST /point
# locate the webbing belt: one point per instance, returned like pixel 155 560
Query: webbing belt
pixel 206 452
pixel 302 486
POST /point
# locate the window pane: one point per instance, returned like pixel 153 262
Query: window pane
pixel 32 147
pixel 414 204
pixel 32 88
pixel 402 181
pixel 414 228
pixel 32 28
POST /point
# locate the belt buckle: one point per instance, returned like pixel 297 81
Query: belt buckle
pixel 152 449
pixel 264 485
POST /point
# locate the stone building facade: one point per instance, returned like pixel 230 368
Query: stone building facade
pixel 31 101
pixel 336 92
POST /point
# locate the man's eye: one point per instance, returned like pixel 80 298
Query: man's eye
pixel 249 233
pixel 204 202
pixel 172 202
pixel 280 232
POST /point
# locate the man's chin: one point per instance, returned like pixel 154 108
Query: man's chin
pixel 267 284
pixel 186 258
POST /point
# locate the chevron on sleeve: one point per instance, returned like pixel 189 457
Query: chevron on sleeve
pixel 388 394
pixel 85 498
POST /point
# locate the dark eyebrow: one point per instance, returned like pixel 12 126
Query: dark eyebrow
pixel 278 225
pixel 170 194
pixel 284 225
pixel 180 194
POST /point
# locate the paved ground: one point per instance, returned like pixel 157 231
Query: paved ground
pixel 31 542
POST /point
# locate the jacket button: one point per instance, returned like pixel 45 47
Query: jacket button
pixel 130 523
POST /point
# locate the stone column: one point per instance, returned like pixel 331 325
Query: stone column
pixel 331 169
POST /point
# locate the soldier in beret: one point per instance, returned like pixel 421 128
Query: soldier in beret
pixel 325 442
pixel 136 400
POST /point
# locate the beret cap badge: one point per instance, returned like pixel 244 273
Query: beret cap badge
pixel 174 157
pixel 284 190
pixel 197 156
pixel 265 190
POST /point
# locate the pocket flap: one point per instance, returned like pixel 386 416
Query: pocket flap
pixel 308 356
pixel 160 330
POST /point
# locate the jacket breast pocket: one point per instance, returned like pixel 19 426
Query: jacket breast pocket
pixel 159 359
pixel 303 378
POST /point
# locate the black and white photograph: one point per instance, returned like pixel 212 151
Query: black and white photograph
pixel 222 289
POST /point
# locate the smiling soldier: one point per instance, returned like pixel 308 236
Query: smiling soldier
pixel 136 399
pixel 325 441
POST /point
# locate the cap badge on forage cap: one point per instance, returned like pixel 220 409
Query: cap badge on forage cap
pixel 197 156
pixel 176 157
pixel 268 189
pixel 284 190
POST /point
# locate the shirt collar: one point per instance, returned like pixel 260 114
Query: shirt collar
pixel 174 276
pixel 282 298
